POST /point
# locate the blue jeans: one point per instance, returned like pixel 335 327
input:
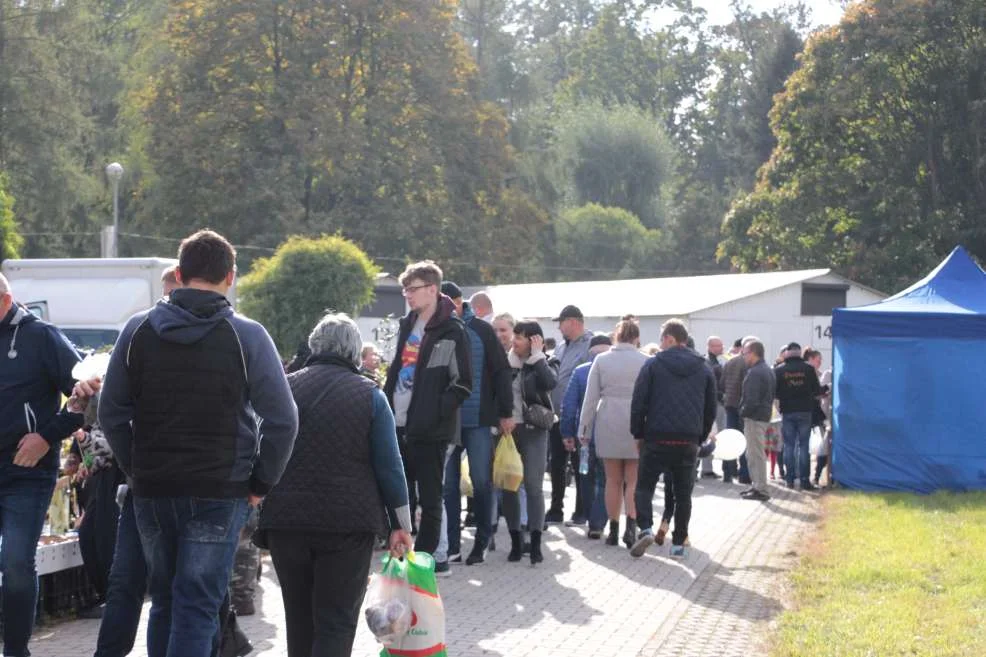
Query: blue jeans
pixel 796 429
pixel 25 494
pixel 127 585
pixel 478 443
pixel 595 492
pixel 189 544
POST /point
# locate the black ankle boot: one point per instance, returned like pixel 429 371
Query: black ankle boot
pixel 630 535
pixel 515 546
pixel 614 533
pixel 536 556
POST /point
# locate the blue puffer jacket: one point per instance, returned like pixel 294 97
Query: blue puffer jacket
pixel 571 407
pixel 674 398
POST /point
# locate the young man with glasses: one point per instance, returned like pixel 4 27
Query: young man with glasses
pixel 426 399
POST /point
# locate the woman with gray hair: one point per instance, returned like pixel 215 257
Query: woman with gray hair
pixel 344 481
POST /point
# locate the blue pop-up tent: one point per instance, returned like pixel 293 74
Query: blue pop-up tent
pixel 910 385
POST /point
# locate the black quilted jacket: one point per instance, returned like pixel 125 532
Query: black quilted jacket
pixel 674 397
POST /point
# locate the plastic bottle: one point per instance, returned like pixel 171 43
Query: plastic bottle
pixel 584 460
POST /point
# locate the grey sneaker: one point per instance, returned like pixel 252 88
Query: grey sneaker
pixel 442 569
pixel 644 541
pixel 679 551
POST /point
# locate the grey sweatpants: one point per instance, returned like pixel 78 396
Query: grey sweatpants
pixel 533 447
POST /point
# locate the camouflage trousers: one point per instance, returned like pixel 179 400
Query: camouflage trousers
pixel 246 565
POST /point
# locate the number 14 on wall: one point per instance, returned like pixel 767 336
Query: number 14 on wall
pixel 823 332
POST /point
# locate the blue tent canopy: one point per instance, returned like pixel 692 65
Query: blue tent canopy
pixel 910 385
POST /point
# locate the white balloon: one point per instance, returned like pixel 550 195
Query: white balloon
pixel 730 445
pixel 91 367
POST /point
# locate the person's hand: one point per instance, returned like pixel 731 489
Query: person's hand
pixel 585 440
pixel 507 425
pixel 637 443
pixel 569 444
pixel 255 500
pixel 82 474
pixel 30 450
pixel 537 344
pixel 82 392
pixel 400 543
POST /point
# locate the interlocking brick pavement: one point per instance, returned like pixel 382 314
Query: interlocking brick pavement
pixel 586 598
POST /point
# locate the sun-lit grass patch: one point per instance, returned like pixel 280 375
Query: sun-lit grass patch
pixel 891 575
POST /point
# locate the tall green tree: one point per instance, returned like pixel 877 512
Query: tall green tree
pixel 751 57
pixel 301 117
pixel 617 157
pixel 45 123
pixel 878 169
pixel 10 240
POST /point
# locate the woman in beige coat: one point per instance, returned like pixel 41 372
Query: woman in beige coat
pixel 606 417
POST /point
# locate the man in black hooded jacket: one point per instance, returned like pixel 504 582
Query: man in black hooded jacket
pixel 671 413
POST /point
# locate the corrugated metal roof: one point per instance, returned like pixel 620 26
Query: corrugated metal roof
pixel 647 297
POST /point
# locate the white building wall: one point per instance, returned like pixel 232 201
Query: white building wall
pixel 775 317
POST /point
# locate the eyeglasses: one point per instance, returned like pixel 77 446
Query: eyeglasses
pixel 411 289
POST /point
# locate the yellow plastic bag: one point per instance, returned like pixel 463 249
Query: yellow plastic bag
pixel 465 481
pixel 508 469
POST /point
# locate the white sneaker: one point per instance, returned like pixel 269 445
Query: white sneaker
pixel 644 541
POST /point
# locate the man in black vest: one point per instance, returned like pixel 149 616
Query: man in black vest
pixel 186 384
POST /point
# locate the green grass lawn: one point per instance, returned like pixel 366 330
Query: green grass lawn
pixel 890 575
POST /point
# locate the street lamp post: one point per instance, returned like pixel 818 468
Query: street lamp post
pixel 114 172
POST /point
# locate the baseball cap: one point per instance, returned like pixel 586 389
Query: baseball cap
pixel 451 290
pixel 600 339
pixel 569 312
pixel 792 346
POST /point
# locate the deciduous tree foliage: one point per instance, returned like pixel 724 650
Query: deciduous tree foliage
pixel 879 166
pixel 290 291
pixel 599 243
pixel 10 239
pixel 307 117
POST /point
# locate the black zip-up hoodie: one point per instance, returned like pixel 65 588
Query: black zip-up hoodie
pixel 442 376
pixel 674 398
pixel 36 363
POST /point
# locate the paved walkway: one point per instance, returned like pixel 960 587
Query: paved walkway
pixel 586 598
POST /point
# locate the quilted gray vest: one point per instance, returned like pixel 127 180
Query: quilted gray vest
pixel 329 484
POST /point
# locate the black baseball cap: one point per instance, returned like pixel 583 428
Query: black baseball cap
pixel 451 290
pixel 600 339
pixel 569 312
pixel 792 346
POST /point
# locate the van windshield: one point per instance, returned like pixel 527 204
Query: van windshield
pixel 91 339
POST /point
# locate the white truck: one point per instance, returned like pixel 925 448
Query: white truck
pixel 89 299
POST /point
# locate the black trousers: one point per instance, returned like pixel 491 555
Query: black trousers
pixel 679 460
pixel 560 458
pixel 412 483
pixel 427 461
pixel 97 534
pixel 323 581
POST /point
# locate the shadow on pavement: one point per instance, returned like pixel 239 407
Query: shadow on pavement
pixel 501 597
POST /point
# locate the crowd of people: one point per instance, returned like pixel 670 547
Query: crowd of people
pixel 204 447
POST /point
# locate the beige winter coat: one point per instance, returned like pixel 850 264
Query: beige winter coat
pixel 606 408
